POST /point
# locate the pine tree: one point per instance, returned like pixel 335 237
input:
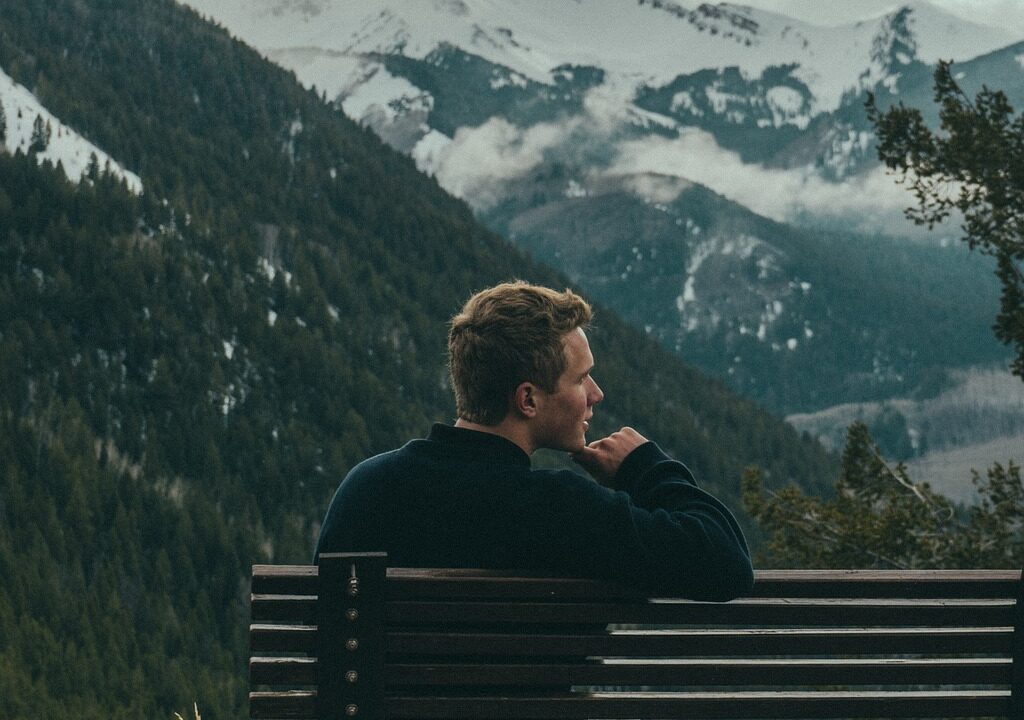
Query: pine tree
pixel 40 136
pixel 92 171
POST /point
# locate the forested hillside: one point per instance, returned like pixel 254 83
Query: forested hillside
pixel 186 374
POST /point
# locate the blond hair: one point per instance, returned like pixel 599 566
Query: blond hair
pixel 506 335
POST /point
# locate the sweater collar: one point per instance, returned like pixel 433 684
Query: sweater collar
pixel 480 445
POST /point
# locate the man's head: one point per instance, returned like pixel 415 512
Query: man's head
pixel 516 344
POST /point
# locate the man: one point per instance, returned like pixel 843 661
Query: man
pixel 466 496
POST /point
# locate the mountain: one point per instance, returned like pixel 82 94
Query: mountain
pixel 744 124
pixel 755 80
pixel 780 311
pixel 190 363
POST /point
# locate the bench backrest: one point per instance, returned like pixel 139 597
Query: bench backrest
pixel 354 638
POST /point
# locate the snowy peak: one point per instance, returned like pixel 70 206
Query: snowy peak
pixel 894 44
pixel 650 41
pixel 731 22
pixel 936 34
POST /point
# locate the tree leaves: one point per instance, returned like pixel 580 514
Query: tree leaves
pixel 974 165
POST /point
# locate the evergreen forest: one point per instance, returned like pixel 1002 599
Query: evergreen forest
pixel 186 374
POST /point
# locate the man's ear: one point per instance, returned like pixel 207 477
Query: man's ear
pixel 524 399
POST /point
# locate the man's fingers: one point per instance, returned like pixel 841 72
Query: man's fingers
pixel 587 456
pixel 602 457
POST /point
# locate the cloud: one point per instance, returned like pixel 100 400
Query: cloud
pixel 657 188
pixel 778 194
pixel 476 164
pixel 479 160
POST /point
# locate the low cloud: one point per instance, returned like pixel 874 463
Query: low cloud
pixel 778 194
pixel 477 161
pixel 657 188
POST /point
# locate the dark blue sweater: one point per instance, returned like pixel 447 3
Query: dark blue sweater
pixel 461 498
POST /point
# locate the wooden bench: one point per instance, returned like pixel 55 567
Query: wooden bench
pixel 356 638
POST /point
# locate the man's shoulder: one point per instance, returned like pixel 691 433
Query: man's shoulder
pixel 382 462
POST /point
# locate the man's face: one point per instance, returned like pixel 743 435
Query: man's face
pixel 563 415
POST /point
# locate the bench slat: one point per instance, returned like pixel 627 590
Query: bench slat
pixel 282 638
pixel 992 641
pixel 737 612
pixel 283 608
pixel 848 704
pixel 683 643
pixel 708 705
pixel 408 583
pixel 282 671
pixel 816 611
pixel 681 673
pixel 282 705
pixel 747 673
pixel 887 583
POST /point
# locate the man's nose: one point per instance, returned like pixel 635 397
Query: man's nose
pixel 596 395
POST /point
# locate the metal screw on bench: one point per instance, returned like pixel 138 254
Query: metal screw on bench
pixel 352 614
pixel 352 676
pixel 351 710
pixel 353 583
pixel 351 644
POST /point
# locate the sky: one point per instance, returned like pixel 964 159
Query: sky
pixel 998 13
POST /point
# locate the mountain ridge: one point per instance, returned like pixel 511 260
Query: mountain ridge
pixel 554 36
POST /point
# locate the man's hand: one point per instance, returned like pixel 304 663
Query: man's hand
pixel 603 457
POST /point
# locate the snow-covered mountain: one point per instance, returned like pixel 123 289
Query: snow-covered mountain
pixel 334 44
pixel 739 99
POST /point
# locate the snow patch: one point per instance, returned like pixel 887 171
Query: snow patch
pixel 700 253
pixel 683 100
pixel 742 246
pixel 270 270
pixel 720 100
pixel 787 106
pixel 575 190
pixel 500 79
pixel 65 145
pixel 384 98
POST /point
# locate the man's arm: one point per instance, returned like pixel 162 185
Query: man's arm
pixel 691 542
